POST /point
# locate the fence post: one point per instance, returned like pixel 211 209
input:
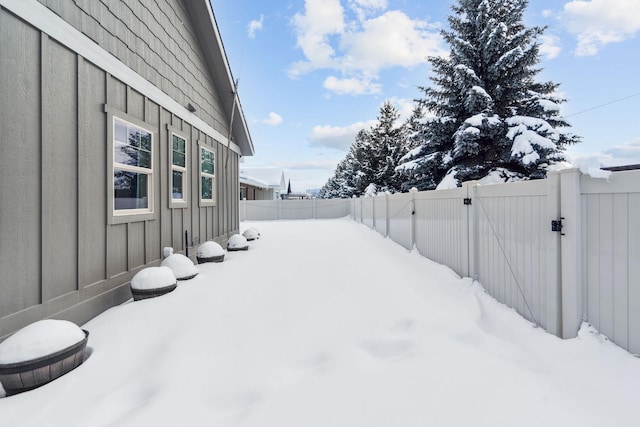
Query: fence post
pixel 279 209
pixel 571 252
pixel 412 218
pixel 386 207
pixel 472 229
pixel 553 315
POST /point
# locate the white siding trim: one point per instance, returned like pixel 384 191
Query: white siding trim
pixel 57 28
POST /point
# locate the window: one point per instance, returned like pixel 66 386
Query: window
pixel 207 176
pixel 178 171
pixel 132 169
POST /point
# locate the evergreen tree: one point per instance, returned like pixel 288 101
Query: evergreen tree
pixel 491 116
pixel 372 158
pixel 388 143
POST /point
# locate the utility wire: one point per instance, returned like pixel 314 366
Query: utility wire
pixel 603 105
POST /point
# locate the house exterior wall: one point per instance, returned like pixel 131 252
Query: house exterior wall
pixel 63 256
pixel 156 40
pixel 251 192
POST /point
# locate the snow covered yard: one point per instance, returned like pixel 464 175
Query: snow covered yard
pixel 326 323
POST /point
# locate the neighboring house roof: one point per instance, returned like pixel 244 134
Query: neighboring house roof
pixel 274 177
pixel 206 28
pixel 248 180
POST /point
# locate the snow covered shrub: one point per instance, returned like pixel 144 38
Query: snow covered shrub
pixel 237 242
pixel 153 282
pixel 251 234
pixel 210 252
pixel 182 267
pixel 40 353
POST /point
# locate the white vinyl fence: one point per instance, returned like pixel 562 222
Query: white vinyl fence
pixel 559 250
pixel 261 210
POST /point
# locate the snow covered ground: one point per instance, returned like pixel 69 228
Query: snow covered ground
pixel 326 323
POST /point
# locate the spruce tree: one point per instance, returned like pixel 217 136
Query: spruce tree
pixel 491 116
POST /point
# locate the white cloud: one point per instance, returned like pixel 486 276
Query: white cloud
pixel 353 86
pixel 391 39
pixel 274 119
pixel 619 155
pixel 336 137
pixel 550 46
pixel 547 13
pixel 255 26
pixel 359 47
pixel 599 22
pixel 322 19
pixel 404 106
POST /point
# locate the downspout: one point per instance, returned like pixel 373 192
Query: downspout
pixel 226 162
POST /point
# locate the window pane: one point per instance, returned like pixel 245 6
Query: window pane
pixel 130 190
pixel 145 140
pixel 207 161
pixel 178 144
pixel 144 159
pixel 178 159
pixel 177 186
pixel 134 137
pixel 120 131
pixel 207 188
pixel 128 155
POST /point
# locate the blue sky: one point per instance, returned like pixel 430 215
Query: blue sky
pixel 313 72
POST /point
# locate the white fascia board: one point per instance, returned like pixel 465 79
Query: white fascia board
pixel 45 20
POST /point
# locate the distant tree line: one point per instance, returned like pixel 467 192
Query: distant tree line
pixel 484 115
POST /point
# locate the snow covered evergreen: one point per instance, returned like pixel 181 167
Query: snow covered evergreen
pixel 372 159
pixel 491 116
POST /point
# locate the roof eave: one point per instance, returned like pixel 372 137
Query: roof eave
pixel 206 28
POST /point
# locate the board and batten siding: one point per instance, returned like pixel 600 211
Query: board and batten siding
pixel 153 38
pixel 61 254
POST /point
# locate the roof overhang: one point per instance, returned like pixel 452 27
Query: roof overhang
pixel 208 34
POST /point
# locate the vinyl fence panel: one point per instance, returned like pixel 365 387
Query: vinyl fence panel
pixel 401 208
pixel 380 206
pixel 368 209
pixel 611 256
pixel 516 249
pixel 332 208
pixel 441 228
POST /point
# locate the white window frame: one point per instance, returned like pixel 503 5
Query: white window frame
pixel 184 201
pixel 212 201
pixel 129 215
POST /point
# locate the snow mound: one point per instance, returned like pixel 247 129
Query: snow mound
pixel 237 242
pixel 251 234
pixel 182 267
pixel 40 339
pixel 209 250
pixel 153 278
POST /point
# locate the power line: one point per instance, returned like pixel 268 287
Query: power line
pixel 603 105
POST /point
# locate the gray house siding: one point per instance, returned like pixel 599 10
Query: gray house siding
pixel 63 256
pixel 156 40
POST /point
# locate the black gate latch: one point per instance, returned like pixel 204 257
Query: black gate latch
pixel 467 201
pixel 557 226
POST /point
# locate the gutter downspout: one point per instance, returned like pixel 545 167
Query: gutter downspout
pixel 226 162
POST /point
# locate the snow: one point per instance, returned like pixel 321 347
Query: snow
pixel 153 278
pixel 479 119
pixel 251 234
pixel 499 176
pixel 39 339
pixel 209 250
pixel 449 181
pixel 182 266
pixel 371 190
pixel 237 241
pixel 327 323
